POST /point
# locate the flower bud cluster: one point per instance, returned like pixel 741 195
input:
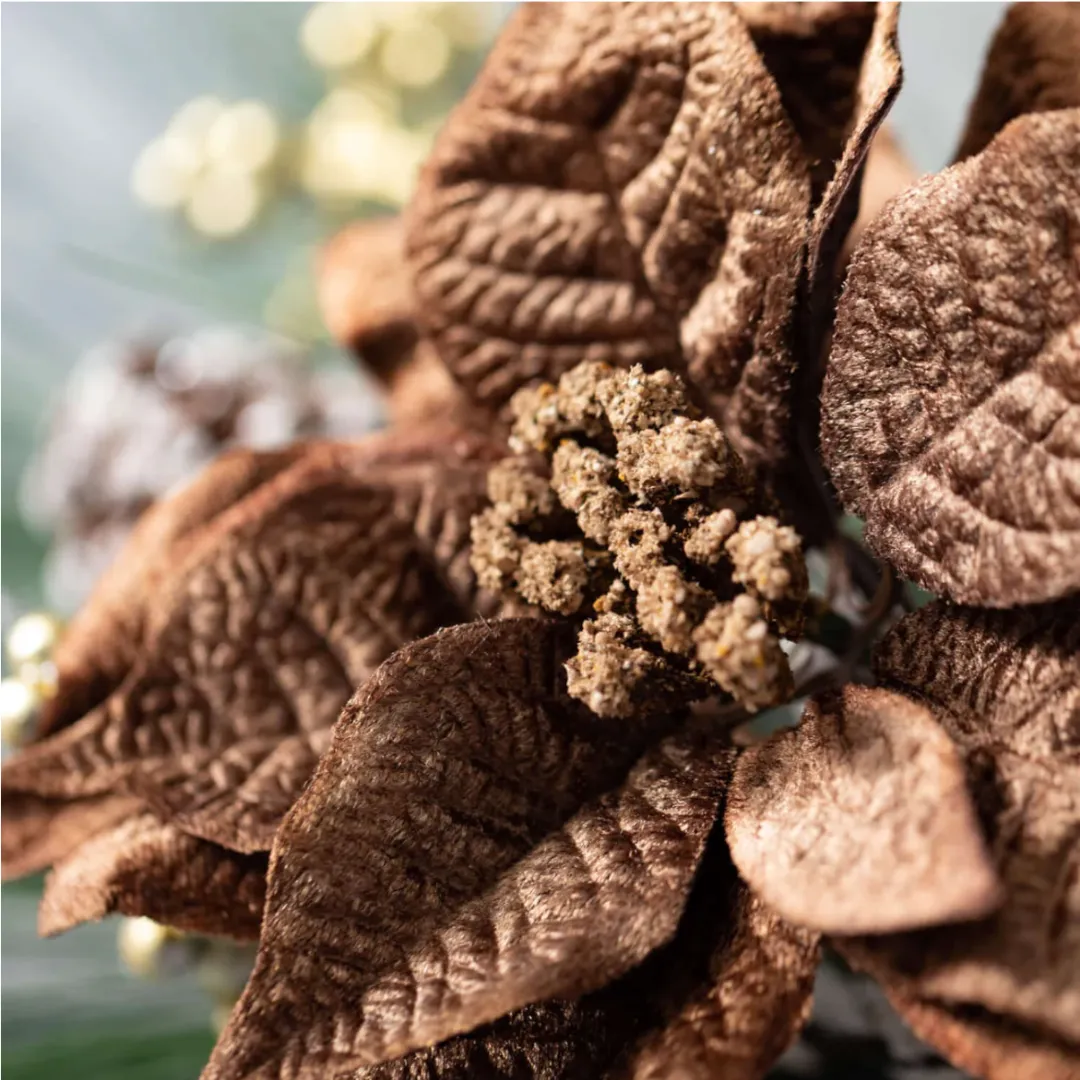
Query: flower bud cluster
pixel 622 505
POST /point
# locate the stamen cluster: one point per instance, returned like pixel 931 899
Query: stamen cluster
pixel 621 500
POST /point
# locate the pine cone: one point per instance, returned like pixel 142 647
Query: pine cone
pixel 137 418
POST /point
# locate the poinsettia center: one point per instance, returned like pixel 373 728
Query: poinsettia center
pixel 622 502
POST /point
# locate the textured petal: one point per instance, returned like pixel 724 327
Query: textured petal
pixel 878 83
pixel 815 52
pixel 974 1040
pixel 280 613
pixel 622 183
pixel 37 832
pixel 951 408
pixel 985 1046
pixel 996 679
pixel 837 66
pixel 145 867
pixel 710 1003
pixel 1007 687
pixel 724 999
pixel 557 1040
pixel 413 893
pixel 747 1008
pixel 1031 67
pixel 859 821
pixel 99 646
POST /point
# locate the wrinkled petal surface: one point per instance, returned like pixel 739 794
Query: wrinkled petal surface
pixel 951 406
pixel 282 609
pixel 145 867
pixel 1006 685
pixel 978 1042
pixel 621 184
pixel 471 843
pixel 38 831
pixel 859 820
pixel 100 645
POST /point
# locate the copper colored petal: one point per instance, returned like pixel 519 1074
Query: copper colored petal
pixel 413 894
pixel 99 646
pixel 1031 67
pixel 724 999
pixel 240 802
pixel 145 867
pixel 556 1040
pixel 37 832
pixel 622 184
pixel 996 679
pixel 986 1046
pixel 815 52
pixel 1006 685
pixel 872 95
pixel 875 90
pixel 291 602
pixel 951 407
pixel 980 1042
pixel 749 1007
pixel 587 903
pixel 838 69
pixel 859 821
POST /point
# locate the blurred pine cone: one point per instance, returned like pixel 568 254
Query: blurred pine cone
pixel 139 417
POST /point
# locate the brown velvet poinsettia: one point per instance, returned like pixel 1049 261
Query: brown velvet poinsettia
pixel 198 687
pixel 290 712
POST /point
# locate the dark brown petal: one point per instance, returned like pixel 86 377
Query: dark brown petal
pixel 987 1046
pixel 872 96
pixel 282 611
pixel 973 1039
pixel 1006 685
pixel 241 800
pixel 415 891
pixel 995 679
pixel 753 1002
pixel 878 83
pixel 556 1040
pixel 724 999
pixel 37 832
pixel 1031 67
pixel 859 821
pixel 815 52
pixel 145 867
pixel 100 644
pixel 837 66
pixel 622 184
pixel 951 407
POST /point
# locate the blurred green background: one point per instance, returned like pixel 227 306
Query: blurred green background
pixel 85 87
